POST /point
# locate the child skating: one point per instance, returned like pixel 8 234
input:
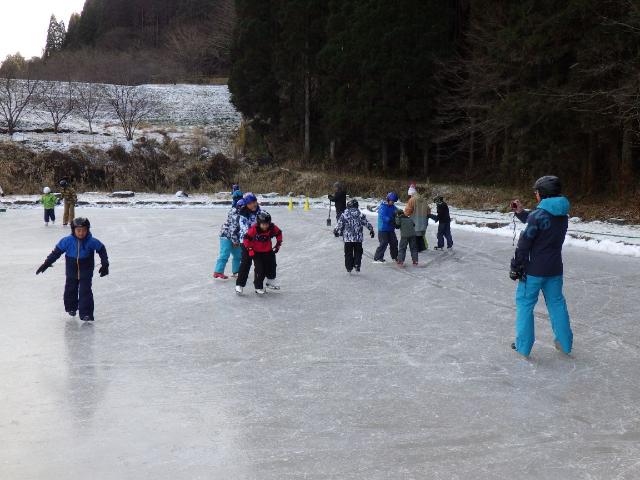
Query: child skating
pixel 49 201
pixel 230 243
pixel 258 242
pixel 247 216
pixel 79 248
pixel 387 229
pixel 350 226
pixel 407 239
pixel 70 198
pixel 443 219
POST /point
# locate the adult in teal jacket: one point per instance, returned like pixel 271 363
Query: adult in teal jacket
pixel 387 229
pixel 537 264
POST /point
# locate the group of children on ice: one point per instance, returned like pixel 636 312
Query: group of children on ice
pixel 412 223
pixel 247 236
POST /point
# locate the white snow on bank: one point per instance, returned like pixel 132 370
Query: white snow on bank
pixel 595 236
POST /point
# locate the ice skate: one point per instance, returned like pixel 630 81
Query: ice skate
pixel 260 291
pixel 235 275
pixel 559 348
pixel 439 248
pixel 239 289
pixel 415 264
pixel 513 347
pixel 400 264
pixel 220 276
pixel 380 262
pixel 87 318
pixel 358 269
pixel 272 285
pixel 72 313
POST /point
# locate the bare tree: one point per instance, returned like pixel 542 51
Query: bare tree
pixel 90 98
pixel 58 102
pixel 131 104
pixel 15 97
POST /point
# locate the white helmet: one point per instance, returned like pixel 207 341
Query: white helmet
pixel 47 190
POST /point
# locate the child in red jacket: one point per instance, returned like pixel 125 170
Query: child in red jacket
pixel 258 242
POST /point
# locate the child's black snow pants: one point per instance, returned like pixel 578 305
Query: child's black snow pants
pixel 79 296
pixel 264 265
pixel 352 255
pixel 245 268
pixel 444 231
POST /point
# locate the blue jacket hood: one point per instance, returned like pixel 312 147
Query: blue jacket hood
pixel 556 206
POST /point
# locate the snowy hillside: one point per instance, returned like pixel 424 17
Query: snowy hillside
pixel 184 113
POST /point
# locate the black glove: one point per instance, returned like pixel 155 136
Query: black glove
pixel 42 268
pixel 517 271
pixel 336 234
pixel 373 235
pixel 104 270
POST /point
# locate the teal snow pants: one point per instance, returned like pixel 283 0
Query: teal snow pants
pixel 226 250
pixel 526 298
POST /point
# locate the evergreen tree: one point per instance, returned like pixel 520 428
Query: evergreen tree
pixel 55 37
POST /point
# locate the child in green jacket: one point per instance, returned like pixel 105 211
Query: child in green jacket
pixel 49 201
pixel 407 238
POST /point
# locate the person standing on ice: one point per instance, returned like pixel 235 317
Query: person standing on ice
pixel 350 225
pixel 230 241
pixel 49 201
pixel 418 209
pixel 537 265
pixel 387 229
pixel 443 219
pixel 247 216
pixel 258 243
pixel 70 198
pixel 236 194
pixel 79 248
pixel 339 199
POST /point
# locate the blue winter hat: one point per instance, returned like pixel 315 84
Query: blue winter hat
pixel 237 194
pixel 235 187
pixel 250 198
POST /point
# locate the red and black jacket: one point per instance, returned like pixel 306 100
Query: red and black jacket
pixel 260 241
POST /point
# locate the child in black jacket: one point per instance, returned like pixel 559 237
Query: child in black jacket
pixel 443 219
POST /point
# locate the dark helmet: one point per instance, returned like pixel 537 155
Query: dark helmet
pixel 263 217
pixel 353 203
pixel 392 197
pixel 80 222
pixel 63 183
pixel 548 186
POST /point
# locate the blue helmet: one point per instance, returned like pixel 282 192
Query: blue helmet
pixel 250 198
pixel 392 197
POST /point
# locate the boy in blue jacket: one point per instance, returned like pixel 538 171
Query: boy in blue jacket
pixel 538 265
pixel 79 249
pixel 387 229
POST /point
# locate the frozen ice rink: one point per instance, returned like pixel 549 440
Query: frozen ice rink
pixel 394 374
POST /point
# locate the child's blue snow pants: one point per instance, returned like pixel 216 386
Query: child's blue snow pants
pixel 226 250
pixel 526 299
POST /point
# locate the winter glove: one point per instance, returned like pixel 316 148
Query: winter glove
pixel 104 270
pixel 335 232
pixel 373 235
pixel 42 268
pixel 517 272
pixel 252 253
pixel 276 249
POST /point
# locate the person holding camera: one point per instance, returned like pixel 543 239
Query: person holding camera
pixel 537 265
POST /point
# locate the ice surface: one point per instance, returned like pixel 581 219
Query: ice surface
pixel 394 374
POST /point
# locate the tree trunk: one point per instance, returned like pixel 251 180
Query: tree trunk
pixel 332 151
pixel 438 160
pixel 425 159
pixel 588 169
pixel 506 152
pixel 614 160
pixel 471 148
pixel 404 158
pixel 626 159
pixel 385 157
pixel 307 118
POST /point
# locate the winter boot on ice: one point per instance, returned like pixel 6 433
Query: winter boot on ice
pixel 260 291
pixel 87 318
pixel 220 276
pixel 415 264
pixel 239 289
pixel 439 248
pixel 272 285
pixel 400 264
pixel 235 275
pixel 382 261
pixel 72 313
